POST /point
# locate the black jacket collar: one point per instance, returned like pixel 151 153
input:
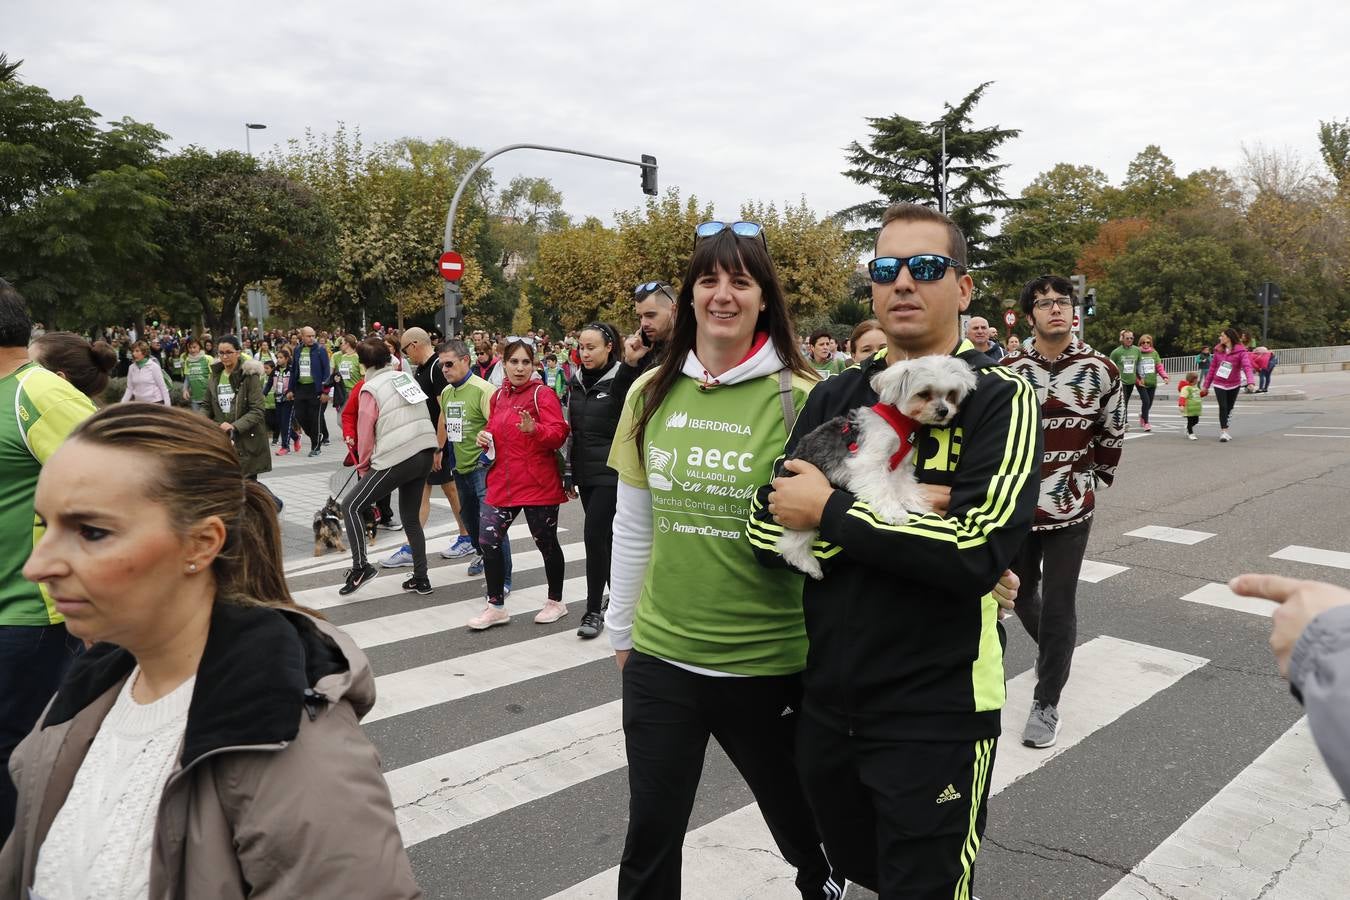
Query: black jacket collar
pixel 253 682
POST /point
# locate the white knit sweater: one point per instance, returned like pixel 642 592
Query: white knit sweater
pixel 99 844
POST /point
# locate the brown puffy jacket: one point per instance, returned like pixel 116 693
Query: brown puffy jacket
pixel 277 793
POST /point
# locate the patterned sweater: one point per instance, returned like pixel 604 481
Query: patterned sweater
pixel 1084 425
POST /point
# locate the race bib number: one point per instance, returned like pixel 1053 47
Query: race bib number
pixel 345 368
pixel 304 367
pixel 1145 367
pixel 409 388
pixel 1224 370
pixel 454 422
pixel 225 397
pixel 1127 367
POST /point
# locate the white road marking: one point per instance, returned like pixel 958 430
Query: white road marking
pixel 1170 535
pixel 1095 572
pixel 435 619
pixel 390 581
pixel 455 789
pixel 1215 594
pixel 735 856
pixel 1280 830
pixel 386 541
pixel 1343 437
pixel 487 670
pixel 1336 559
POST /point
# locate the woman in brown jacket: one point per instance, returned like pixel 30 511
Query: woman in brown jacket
pixel 208 744
pixel 234 401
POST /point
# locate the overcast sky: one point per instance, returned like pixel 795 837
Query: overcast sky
pixel 738 99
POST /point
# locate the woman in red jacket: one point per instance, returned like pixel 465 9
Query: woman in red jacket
pixel 523 435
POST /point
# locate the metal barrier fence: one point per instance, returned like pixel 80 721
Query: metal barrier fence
pixel 1296 356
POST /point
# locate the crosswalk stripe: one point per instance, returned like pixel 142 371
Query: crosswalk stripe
pixel 456 789
pixel 1094 572
pixel 735 856
pixel 390 581
pixel 453 679
pixel 1333 558
pixel 1278 830
pixel 386 540
pixel 1214 594
pixel 1170 535
pixel 435 619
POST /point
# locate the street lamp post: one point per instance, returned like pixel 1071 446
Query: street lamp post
pixel 251 126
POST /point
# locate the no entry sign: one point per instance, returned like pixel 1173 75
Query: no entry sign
pixel 1010 319
pixel 451 266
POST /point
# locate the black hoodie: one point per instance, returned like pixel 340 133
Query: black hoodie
pixel 904 640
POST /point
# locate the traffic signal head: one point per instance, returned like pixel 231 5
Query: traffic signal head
pixel 1090 302
pixel 649 175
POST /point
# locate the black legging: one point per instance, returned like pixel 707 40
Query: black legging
pixel 493 523
pixel 1227 398
pixel 307 413
pixel 598 501
pixel 1129 389
pixel 1146 401
pixel 407 477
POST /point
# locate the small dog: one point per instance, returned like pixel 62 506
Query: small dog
pixel 328 528
pixel 862 452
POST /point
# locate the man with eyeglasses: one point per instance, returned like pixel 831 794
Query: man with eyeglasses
pixel 654 303
pixel 1084 423
pixel 418 350
pixel 904 676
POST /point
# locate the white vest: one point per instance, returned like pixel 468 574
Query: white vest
pixel 403 429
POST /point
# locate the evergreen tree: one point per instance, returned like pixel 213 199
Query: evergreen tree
pixel 903 162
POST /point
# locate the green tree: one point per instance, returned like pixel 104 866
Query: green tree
pixel 9 70
pixel 1063 209
pixel 234 223
pixel 1334 138
pixel 79 205
pixel 903 162
pixel 813 256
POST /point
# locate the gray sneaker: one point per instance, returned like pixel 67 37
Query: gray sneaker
pixel 1042 726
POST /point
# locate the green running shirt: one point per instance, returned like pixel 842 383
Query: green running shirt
pixel 705 600
pixel 466 410
pixel 38 410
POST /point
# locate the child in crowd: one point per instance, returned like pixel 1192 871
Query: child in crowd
pixel 1188 398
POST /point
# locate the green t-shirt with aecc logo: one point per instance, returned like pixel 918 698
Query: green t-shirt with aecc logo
pixel 1127 361
pixel 705 600
pixel 466 409
pixel 349 368
pixel 198 374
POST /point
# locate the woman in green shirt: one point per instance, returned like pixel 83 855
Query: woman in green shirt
pixel 1148 369
pixel 709 644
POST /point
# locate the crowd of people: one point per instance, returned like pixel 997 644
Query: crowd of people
pixel 862 709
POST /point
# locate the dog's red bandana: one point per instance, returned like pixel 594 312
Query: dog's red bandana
pixel 904 426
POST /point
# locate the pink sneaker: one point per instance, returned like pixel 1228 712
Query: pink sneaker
pixel 297 445
pixel 553 611
pixel 1148 427
pixel 491 615
pixel 282 451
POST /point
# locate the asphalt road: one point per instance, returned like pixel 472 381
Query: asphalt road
pixel 505 757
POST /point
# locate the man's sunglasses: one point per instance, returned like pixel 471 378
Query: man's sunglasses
pixel 923 267
pixel 648 287
pixel 740 229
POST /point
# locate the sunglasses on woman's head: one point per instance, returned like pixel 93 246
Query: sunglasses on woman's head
pixel 740 229
pixel 648 287
pixel 922 267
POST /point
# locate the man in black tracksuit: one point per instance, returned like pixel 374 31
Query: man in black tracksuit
pixel 904 675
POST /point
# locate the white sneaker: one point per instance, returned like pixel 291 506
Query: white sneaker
pixel 1225 437
pixel 1190 437
pixel 491 615
pixel 553 611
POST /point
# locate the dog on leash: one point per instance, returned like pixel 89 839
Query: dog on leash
pixel 328 529
pixel 862 452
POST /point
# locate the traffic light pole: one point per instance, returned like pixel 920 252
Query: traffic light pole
pixel 647 164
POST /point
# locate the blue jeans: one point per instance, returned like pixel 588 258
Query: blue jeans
pixel 33 659
pixel 472 501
